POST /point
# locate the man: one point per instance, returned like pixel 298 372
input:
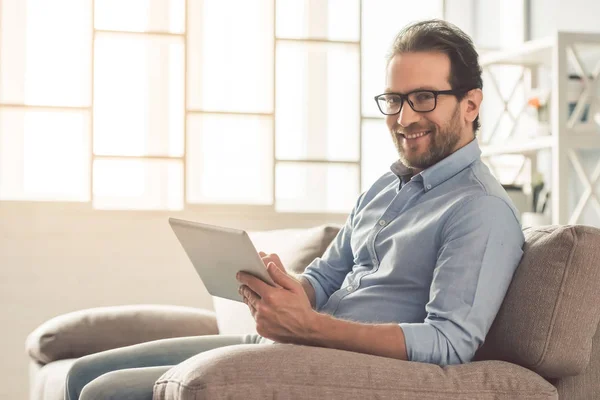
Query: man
pixel 425 259
pixel 423 262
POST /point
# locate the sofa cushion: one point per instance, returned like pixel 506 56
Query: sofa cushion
pixel 587 384
pixel 296 247
pixel 552 308
pixel 47 382
pixel 283 371
pixel 89 331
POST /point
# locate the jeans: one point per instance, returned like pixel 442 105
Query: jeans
pixel 130 372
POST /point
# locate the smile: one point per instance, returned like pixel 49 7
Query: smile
pixel 415 135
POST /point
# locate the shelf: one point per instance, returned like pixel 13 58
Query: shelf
pixel 529 53
pixel 562 54
pixel 518 146
pixel 584 141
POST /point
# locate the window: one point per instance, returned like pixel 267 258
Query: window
pixel 171 104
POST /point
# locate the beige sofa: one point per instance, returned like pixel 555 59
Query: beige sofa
pixel 544 343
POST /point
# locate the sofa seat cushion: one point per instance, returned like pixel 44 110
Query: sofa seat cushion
pixel 284 371
pixel 552 308
pixel 296 247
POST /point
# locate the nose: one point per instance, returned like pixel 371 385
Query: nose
pixel 407 115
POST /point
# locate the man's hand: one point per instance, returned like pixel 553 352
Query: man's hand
pixel 282 313
pixel 274 258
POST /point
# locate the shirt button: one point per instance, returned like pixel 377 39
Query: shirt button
pixel 349 288
pixel 382 222
pixel 428 187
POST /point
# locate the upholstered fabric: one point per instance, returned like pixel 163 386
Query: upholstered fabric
pixel 552 308
pixel 89 331
pixel 298 372
pixel 587 384
pixel 549 316
pixel 47 382
pixel 296 248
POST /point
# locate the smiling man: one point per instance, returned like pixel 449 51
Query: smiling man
pixel 424 261
pixel 422 264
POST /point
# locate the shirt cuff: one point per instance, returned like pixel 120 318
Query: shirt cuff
pixel 424 344
pixel 320 295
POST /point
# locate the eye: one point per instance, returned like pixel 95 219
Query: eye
pixel 392 99
pixel 423 96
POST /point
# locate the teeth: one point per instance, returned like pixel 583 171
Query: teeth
pixel 415 135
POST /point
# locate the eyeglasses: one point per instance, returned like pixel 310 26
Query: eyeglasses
pixel 419 100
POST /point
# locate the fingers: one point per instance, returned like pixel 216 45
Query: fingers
pixel 249 298
pixel 281 278
pixel 249 295
pixel 256 285
pixel 274 258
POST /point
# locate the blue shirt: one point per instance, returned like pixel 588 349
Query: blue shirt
pixel 434 253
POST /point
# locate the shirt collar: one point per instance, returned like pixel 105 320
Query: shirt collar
pixel 443 170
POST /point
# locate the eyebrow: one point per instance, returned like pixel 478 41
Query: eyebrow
pixel 388 90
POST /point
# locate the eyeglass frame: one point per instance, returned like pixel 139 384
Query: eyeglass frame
pixel 404 97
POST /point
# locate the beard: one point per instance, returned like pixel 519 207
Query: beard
pixel 442 143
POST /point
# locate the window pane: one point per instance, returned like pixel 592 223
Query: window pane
pixel 230 56
pixel 44 155
pixel 230 159
pixel 138 95
pixel 329 19
pixel 45 52
pixel 316 187
pixel 140 15
pixel 378 151
pixel 317 113
pixel 382 20
pixel 138 184
pixel 508 28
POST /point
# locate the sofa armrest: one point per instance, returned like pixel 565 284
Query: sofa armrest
pixel 89 331
pixel 303 372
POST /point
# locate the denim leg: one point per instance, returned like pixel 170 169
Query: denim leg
pixel 159 353
pixel 126 384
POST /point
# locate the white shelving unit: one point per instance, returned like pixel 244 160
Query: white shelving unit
pixel 563 54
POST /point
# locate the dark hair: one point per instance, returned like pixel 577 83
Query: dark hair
pixel 447 38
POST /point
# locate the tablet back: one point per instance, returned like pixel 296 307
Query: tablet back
pixel 218 253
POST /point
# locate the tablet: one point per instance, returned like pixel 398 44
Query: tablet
pixel 218 253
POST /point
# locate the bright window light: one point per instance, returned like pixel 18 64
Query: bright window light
pixel 255 103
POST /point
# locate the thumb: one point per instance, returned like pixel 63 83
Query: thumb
pixel 281 277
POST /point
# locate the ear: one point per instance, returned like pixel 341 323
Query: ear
pixel 472 103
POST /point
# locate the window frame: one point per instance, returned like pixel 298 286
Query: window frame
pixel 261 211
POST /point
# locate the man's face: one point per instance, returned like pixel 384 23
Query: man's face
pixel 423 139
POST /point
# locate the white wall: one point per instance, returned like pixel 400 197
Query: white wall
pixel 56 259
pixel 548 16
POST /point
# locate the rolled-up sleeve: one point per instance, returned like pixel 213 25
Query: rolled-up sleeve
pixel 481 247
pixel 327 273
